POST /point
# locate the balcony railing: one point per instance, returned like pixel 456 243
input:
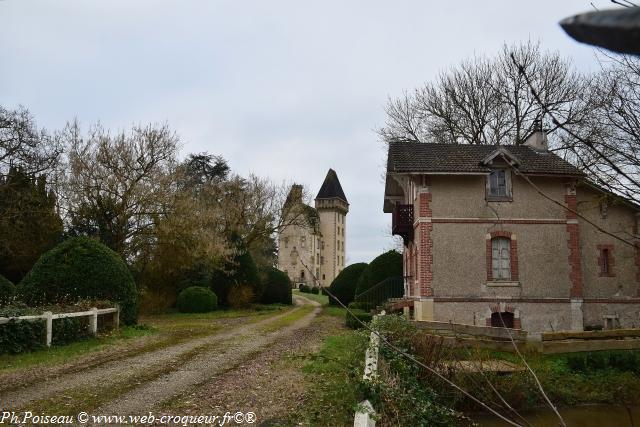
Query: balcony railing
pixel 402 222
pixel 378 294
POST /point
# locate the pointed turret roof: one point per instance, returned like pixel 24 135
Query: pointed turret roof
pixel 331 188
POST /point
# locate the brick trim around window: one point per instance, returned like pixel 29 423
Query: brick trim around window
pixel 610 261
pixel 573 243
pixel 513 254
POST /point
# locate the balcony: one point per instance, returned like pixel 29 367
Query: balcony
pixel 402 222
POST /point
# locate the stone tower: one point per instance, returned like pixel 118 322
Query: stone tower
pixel 332 207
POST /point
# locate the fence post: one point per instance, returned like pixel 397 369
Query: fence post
pixel 48 316
pixel 116 318
pixel 93 321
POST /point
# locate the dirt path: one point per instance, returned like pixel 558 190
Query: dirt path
pixel 271 384
pixel 143 381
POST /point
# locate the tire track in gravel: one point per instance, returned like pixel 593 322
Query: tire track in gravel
pixel 203 367
pixel 124 370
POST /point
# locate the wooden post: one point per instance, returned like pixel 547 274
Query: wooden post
pixel 93 321
pixel 48 316
pixel 116 317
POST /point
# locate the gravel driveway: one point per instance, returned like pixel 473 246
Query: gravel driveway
pixel 151 380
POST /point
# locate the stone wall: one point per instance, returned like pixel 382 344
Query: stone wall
pixel 534 316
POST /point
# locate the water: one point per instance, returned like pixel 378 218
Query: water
pixel 582 416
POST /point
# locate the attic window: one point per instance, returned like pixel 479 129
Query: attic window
pixel 603 208
pixel 499 185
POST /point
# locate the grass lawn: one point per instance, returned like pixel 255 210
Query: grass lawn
pixel 334 374
pixel 288 319
pixel 168 329
pixel 59 354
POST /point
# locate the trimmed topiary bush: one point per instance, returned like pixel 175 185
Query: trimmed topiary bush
pixel 7 291
pixel 197 299
pixel 304 288
pixel 276 286
pixel 344 285
pixel 389 264
pixel 81 268
pixel 315 290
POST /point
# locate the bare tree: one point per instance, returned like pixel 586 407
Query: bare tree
pixel 119 185
pixel 487 100
pixel 23 145
pixel 615 107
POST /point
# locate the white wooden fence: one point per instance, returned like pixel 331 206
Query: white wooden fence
pixel 49 317
pixel 365 414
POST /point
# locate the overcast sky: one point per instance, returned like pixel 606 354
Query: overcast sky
pixel 284 89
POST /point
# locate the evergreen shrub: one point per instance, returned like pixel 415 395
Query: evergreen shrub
pixel 276 286
pixel 197 299
pixel 81 268
pixel 344 285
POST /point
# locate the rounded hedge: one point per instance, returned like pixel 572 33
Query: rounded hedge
pixel 276 286
pixel 343 286
pixel 389 264
pixel 196 299
pixel 7 290
pixel 80 268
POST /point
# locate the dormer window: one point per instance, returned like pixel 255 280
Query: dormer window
pixel 499 185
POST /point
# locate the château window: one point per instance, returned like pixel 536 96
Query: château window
pixel 501 258
pixel 286 242
pixel 499 185
pixel 302 274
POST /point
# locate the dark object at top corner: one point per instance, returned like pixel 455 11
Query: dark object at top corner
pixel 617 30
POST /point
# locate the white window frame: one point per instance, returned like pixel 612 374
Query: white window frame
pixel 501 258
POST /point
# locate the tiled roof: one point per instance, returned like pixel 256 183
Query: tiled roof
pixel 421 157
pixel 331 187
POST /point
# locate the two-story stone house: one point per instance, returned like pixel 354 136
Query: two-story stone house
pixel 499 232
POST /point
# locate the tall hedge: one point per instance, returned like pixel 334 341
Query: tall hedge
pixel 80 268
pixel 344 285
pixel 276 286
pixel 389 264
pixel 7 290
